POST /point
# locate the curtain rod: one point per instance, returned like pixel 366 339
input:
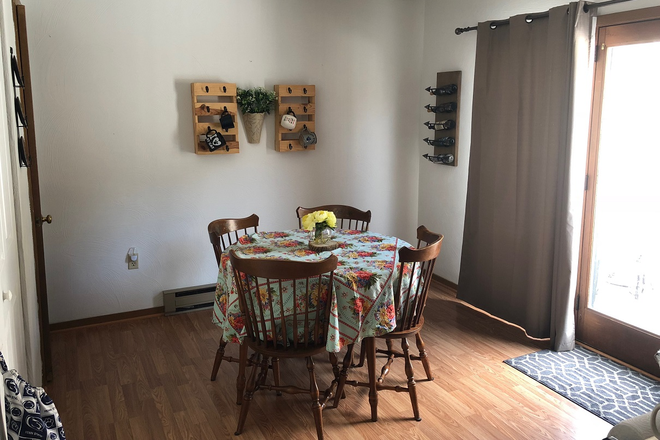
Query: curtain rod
pixel 531 17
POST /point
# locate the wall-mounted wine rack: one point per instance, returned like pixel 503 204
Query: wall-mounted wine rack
pixel 300 99
pixel 20 95
pixel 210 101
pixel 443 129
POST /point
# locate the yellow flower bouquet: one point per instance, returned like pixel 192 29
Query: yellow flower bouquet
pixel 319 222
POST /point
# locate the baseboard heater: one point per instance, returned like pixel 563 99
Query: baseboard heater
pixel 188 299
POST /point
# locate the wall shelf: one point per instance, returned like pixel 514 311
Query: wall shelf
pixel 445 154
pixel 301 99
pixel 209 101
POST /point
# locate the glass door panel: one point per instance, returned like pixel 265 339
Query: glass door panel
pixel 618 307
pixel 625 260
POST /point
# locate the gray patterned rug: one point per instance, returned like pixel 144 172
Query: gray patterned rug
pixel 596 383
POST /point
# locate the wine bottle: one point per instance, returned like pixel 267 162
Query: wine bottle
pixel 447 107
pixel 447 124
pixel 440 158
pixel 449 89
pixel 442 142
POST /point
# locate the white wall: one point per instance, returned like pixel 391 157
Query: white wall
pixel 442 189
pixel 112 95
pixel 111 87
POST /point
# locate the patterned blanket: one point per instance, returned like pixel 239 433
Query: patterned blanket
pixel 30 413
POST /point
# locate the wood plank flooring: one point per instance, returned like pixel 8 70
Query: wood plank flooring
pixel 149 379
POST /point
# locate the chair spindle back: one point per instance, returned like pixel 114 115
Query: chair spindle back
pixel 347 216
pixel 409 301
pixel 285 304
pixel 226 231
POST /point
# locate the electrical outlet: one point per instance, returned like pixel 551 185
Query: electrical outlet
pixel 132 258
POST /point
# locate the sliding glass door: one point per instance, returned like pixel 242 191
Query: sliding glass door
pixel 619 295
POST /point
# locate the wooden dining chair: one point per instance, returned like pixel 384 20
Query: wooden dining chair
pixel 278 329
pixel 347 216
pixel 226 231
pixel 409 304
pixel 223 233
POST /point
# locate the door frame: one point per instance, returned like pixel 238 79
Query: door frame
pixel 633 345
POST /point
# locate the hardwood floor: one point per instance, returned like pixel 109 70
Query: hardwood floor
pixel 149 379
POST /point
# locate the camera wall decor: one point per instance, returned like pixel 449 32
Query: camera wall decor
pixel 444 125
pixel 215 115
pixel 295 120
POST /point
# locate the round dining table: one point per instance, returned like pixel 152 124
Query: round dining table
pixel 363 286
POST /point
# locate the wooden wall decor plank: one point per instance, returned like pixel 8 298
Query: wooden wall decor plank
pixel 295 90
pixel 443 79
pixel 298 108
pixel 300 99
pixel 202 128
pixel 201 108
pixel 293 145
pixel 214 89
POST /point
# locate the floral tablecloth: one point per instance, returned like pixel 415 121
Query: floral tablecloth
pixel 363 291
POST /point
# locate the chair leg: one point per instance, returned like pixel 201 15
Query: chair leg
pixel 317 409
pixel 423 356
pixel 240 380
pixel 219 354
pixel 343 375
pixel 411 379
pixel 249 392
pixel 332 357
pixel 363 353
pixel 276 374
pixel 263 375
pixel 370 348
pixel 390 359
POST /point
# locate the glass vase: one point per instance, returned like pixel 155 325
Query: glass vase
pixel 321 234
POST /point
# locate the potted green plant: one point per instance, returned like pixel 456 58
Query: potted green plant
pixel 254 103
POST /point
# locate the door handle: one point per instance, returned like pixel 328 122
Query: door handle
pixel 48 219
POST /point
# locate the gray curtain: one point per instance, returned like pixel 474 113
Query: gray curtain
pixel 523 211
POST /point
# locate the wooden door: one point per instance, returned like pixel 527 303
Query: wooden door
pixel 619 287
pixel 33 181
pixel 12 340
